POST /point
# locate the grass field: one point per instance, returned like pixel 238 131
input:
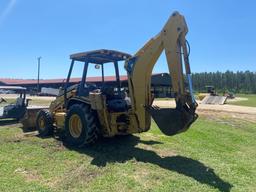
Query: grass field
pixel 216 154
pixel 251 102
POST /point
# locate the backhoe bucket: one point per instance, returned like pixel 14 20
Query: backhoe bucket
pixel 172 121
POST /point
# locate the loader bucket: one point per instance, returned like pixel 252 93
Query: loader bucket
pixel 172 121
pixel 28 121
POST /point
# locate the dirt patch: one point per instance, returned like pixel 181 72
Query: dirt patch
pixel 74 177
pixel 215 115
pixel 165 153
pixel 230 119
pixel 55 147
pixel 29 175
pixel 237 99
pixel 143 175
pixel 160 151
pixel 229 109
pixel 30 134
pixel 16 138
pixel 239 112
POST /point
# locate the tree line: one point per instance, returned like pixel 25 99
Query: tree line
pixel 236 82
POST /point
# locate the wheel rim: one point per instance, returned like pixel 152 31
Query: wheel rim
pixel 41 123
pixel 75 126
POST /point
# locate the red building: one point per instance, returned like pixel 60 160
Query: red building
pixel 160 83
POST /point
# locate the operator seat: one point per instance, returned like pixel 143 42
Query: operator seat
pixel 115 102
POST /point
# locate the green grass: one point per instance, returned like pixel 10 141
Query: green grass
pixel 251 102
pixel 164 99
pixel 214 155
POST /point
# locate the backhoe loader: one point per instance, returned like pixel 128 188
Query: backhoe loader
pixel 84 112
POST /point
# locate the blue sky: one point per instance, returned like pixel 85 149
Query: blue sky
pixel 221 32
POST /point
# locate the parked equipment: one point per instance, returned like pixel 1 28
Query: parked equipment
pixel 86 111
pixel 214 100
pixel 211 90
pixel 212 97
pixel 17 109
pixel 28 120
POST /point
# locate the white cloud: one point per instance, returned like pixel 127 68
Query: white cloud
pixel 7 10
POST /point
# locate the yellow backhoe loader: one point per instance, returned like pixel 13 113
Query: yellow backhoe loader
pixel 84 112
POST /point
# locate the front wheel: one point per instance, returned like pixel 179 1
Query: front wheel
pixel 80 125
pixel 44 123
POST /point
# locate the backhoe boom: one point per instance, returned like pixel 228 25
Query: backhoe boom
pixel 171 39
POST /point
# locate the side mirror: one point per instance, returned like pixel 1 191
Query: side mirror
pixel 97 66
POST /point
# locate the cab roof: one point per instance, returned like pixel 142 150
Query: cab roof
pixel 100 56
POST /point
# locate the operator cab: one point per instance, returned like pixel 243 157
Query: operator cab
pixel 100 59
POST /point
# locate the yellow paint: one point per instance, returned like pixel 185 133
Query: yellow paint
pixel 75 126
pixel 59 118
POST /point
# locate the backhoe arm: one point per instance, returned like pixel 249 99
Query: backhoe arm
pixel 171 40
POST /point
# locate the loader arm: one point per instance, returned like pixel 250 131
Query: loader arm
pixel 172 41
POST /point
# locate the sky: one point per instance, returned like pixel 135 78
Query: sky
pixel 222 33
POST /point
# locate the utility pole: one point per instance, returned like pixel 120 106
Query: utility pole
pixel 38 73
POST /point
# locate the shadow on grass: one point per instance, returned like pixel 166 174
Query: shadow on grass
pixel 122 149
pixel 4 122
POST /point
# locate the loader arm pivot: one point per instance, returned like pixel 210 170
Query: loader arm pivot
pixel 172 41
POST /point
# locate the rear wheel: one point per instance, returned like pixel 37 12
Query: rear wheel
pixel 80 125
pixel 44 123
